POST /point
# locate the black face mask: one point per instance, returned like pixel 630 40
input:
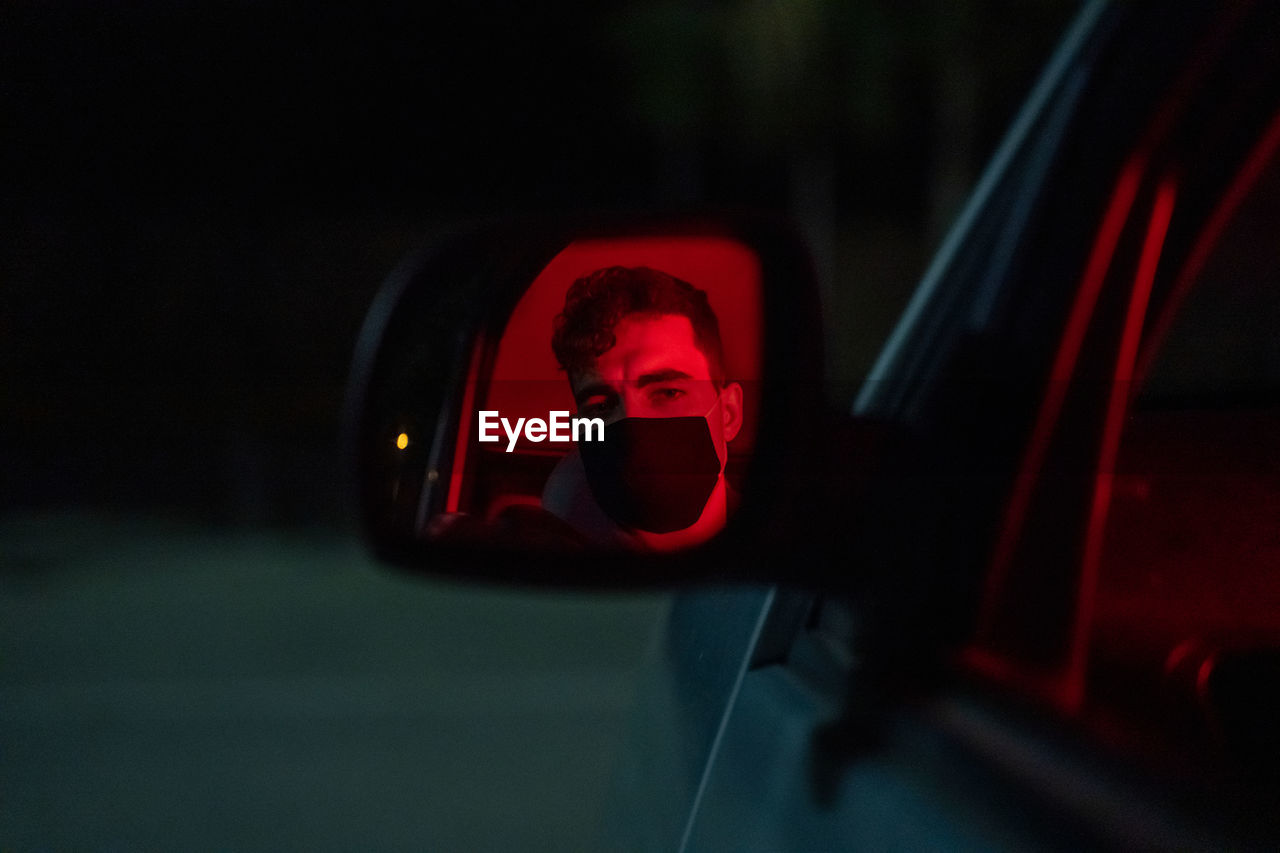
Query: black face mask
pixel 653 474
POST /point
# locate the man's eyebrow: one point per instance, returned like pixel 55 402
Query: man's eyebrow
pixel 661 376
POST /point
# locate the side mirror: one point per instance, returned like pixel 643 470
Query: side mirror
pixel 483 448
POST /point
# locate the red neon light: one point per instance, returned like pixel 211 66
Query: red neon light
pixel 1117 408
pixel 457 465
pixel 1064 364
pixel 1203 674
pixel 1208 238
pixel 1179 655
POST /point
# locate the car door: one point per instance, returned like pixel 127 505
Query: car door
pixel 955 703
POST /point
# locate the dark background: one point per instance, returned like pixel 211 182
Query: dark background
pixel 199 201
pixel 202 198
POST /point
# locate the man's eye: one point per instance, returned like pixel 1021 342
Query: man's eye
pixel 594 409
pixel 666 395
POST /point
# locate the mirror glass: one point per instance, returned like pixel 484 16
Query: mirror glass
pixel 612 406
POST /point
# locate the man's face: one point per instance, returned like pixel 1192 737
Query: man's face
pixel 655 370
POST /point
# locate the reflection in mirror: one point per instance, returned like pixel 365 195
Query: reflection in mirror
pixel 615 406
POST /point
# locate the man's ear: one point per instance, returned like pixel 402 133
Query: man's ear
pixel 731 408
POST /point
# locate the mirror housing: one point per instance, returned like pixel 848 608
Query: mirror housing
pixel 428 349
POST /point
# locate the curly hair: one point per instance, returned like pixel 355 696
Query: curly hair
pixel 595 303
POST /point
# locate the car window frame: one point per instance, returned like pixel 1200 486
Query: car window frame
pixel 1159 186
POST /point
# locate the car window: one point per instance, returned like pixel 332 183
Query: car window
pixel 1190 570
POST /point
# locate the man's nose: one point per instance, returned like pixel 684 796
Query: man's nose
pixel 628 403
pixel 621 409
